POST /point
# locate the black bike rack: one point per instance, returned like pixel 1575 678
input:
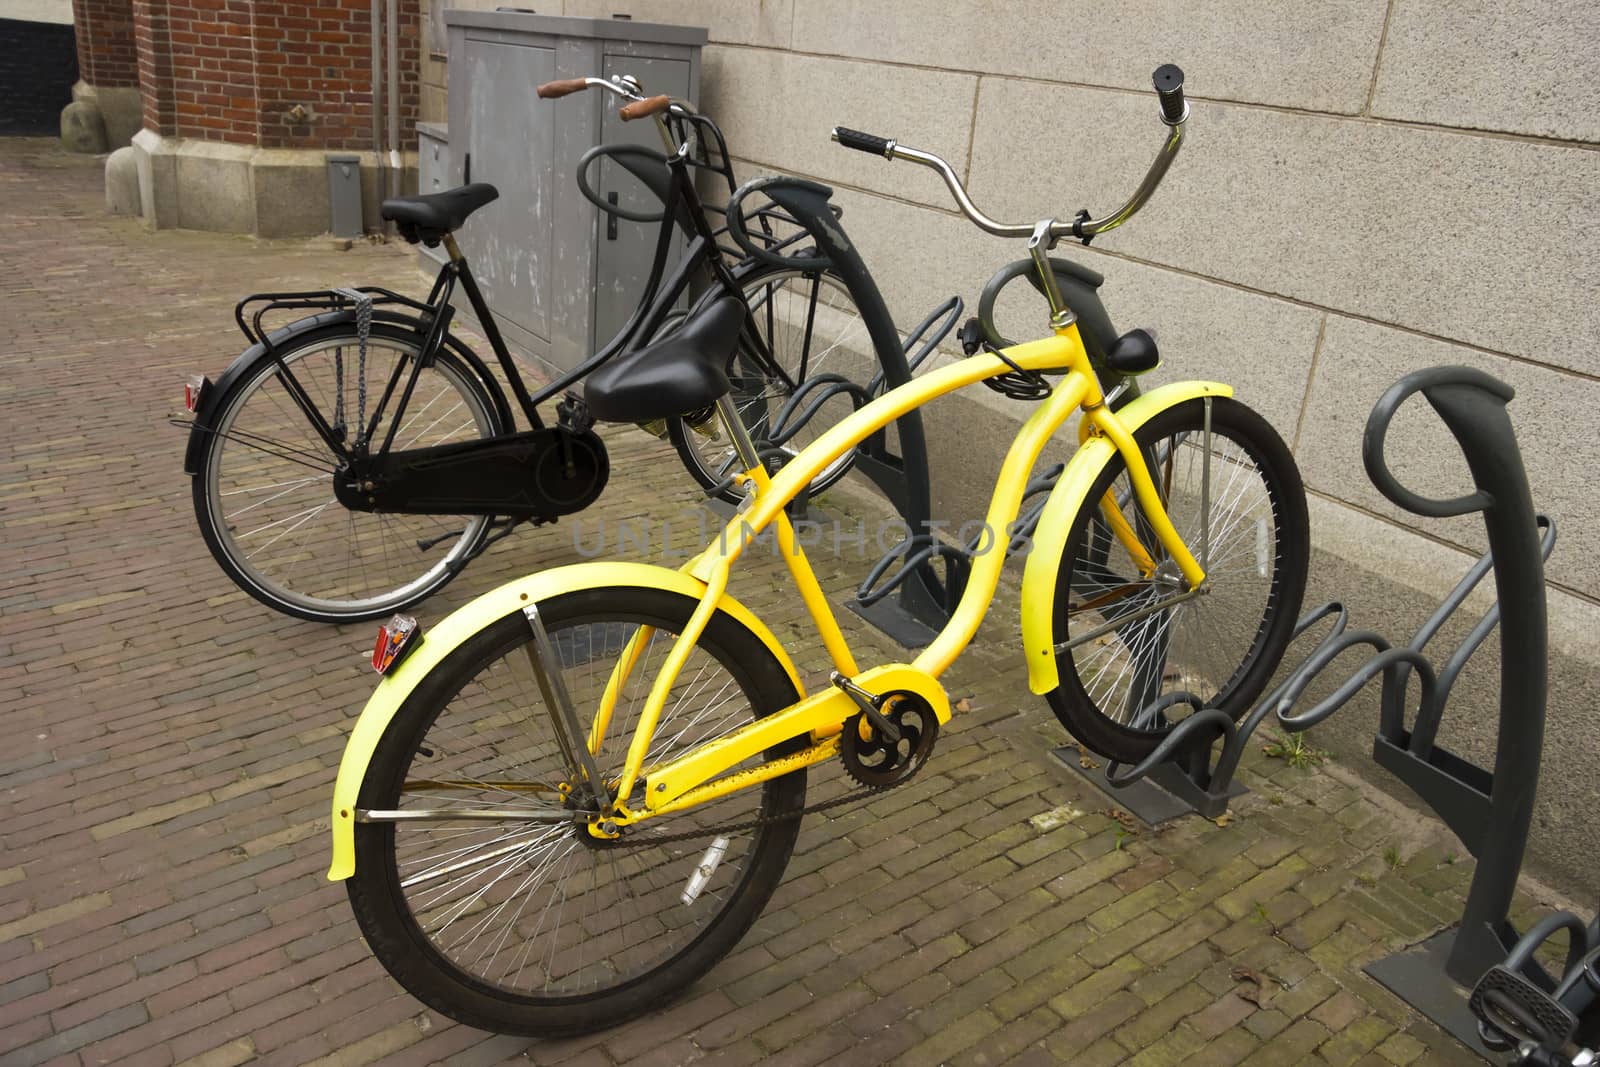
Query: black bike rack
pixel 1489 811
pixel 926 600
pixel 924 604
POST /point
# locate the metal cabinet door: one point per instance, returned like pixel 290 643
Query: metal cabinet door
pixel 433 176
pixel 622 262
pixel 510 143
pixel 433 164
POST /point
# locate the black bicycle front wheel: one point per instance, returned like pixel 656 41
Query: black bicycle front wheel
pixel 263 490
pixel 511 921
pixel 811 326
pixel 1119 692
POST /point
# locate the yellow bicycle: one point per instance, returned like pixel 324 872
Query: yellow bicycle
pixel 575 794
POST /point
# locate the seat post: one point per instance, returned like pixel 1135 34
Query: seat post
pixel 452 248
pixel 736 430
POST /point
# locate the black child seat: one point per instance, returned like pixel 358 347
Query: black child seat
pixel 680 373
pixel 428 218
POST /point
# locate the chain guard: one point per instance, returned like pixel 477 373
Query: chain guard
pixel 876 762
pixel 539 474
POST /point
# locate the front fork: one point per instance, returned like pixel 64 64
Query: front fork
pixel 1131 625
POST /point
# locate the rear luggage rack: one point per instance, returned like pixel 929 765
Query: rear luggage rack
pixel 311 300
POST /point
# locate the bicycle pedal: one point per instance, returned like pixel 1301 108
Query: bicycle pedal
pixel 1513 1009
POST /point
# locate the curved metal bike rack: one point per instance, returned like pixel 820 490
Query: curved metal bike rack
pixel 925 599
pixel 1490 811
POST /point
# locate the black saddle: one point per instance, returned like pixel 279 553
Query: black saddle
pixel 680 373
pixel 428 218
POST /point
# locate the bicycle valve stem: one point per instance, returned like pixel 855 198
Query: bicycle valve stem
pixel 701 876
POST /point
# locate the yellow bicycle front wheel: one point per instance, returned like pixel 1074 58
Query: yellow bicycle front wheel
pixel 1244 518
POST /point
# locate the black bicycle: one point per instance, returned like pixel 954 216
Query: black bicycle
pixel 352 462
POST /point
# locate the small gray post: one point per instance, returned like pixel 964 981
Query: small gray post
pixel 344 194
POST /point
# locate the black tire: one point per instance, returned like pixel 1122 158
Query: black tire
pixel 678 951
pixel 1222 646
pixel 782 300
pixel 263 437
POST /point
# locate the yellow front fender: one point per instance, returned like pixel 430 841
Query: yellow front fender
pixel 469 619
pixel 1050 538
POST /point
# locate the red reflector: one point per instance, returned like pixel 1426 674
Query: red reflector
pixel 193 389
pixel 395 638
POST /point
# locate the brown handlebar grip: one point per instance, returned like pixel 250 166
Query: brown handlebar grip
pixel 562 87
pixel 639 109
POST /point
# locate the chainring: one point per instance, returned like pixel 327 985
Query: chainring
pixel 876 762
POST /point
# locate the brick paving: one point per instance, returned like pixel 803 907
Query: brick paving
pixel 171 746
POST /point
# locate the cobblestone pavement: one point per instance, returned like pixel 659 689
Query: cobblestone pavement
pixel 171 745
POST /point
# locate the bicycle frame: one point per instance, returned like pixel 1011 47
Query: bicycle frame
pixel 436 312
pixel 692 778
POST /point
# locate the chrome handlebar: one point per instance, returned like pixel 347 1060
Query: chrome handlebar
pixel 623 85
pixel 1174 113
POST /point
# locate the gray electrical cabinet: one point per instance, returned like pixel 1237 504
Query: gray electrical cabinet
pixel 433 176
pixel 560 277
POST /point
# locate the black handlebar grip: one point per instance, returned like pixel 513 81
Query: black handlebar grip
pixel 1168 80
pixel 863 142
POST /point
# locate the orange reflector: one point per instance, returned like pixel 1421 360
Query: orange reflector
pixel 395 639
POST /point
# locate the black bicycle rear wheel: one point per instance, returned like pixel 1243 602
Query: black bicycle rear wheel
pixel 263 491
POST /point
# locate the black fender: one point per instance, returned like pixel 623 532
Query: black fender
pixel 1078 285
pixel 247 361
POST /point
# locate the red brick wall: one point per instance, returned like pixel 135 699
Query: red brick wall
pixel 106 57
pixel 319 56
pixel 235 70
pixel 155 65
pixel 213 69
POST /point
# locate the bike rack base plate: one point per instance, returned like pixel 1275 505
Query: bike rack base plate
pixel 1416 975
pixel 890 616
pixel 1153 800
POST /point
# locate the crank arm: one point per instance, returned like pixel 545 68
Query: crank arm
pixel 869 703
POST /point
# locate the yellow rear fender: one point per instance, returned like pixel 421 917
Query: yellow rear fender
pixel 1069 495
pixel 469 619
